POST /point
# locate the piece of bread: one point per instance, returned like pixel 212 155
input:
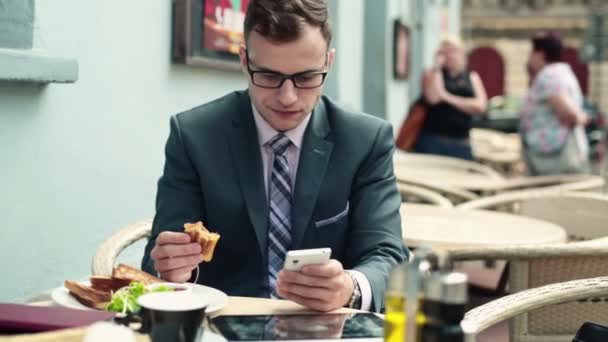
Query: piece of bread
pixel 88 296
pixel 127 273
pixel 207 240
pixel 108 284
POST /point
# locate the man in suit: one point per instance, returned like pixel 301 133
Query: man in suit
pixel 279 167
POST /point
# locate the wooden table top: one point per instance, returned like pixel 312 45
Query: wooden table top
pixel 458 228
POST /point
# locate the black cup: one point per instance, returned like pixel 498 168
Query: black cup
pixel 172 316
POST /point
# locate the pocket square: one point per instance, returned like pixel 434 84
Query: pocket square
pixel 333 219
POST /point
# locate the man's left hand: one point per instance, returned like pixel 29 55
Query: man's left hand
pixel 320 287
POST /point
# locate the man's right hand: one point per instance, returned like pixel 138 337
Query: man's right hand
pixel 175 256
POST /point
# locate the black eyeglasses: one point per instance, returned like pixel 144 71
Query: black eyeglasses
pixel 273 80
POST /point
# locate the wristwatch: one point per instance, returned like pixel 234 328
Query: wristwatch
pixel 355 298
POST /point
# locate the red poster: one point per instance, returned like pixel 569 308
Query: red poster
pixel 223 25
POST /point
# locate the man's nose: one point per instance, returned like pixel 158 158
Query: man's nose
pixel 288 93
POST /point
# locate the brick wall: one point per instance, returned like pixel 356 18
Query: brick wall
pixel 598 83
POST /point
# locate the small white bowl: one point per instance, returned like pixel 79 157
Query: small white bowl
pixel 177 287
pixel 172 301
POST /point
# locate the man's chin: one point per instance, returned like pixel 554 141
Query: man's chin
pixel 285 123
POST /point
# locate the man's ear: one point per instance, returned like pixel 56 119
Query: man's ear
pixel 330 57
pixel 243 58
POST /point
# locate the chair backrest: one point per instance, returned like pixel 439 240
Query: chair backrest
pixel 105 256
pixel 567 182
pixel 584 217
pixel 556 322
pixel 486 315
pixel 454 195
pixel 543 266
pixel 416 194
pixel 581 214
pixel 419 160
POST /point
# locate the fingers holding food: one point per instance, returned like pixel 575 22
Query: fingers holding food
pixel 206 239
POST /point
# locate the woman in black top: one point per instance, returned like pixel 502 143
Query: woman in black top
pixel 453 95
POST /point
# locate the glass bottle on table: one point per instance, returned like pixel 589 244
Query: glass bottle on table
pixel 405 282
pixel 446 296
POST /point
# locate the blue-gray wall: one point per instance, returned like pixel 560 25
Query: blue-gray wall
pixel 79 161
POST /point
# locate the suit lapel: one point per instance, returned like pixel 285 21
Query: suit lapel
pixel 246 156
pixel 314 157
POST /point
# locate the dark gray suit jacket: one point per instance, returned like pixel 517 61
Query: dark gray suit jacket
pixel 345 195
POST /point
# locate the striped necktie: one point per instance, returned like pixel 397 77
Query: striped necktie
pixel 279 230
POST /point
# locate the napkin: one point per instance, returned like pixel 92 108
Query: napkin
pixel 18 318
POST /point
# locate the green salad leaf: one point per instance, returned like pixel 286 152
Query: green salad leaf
pixel 125 299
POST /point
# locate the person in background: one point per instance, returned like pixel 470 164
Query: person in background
pixel 552 117
pixel 453 95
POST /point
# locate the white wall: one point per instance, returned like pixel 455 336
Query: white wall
pixel 397 95
pixel 81 160
pixel 349 47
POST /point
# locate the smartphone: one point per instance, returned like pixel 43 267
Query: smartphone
pixel 295 260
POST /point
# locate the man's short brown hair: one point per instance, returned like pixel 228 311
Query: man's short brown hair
pixel 281 20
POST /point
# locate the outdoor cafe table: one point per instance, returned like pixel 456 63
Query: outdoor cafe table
pixel 235 306
pixel 450 228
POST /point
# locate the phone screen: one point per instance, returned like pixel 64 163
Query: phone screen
pixel 300 327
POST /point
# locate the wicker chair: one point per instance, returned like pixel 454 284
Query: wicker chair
pixel 441 162
pixel 585 291
pixel 534 266
pixel 107 253
pixel 416 194
pixel 566 182
pixel 453 194
pixel 566 209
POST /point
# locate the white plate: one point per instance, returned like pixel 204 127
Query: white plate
pixel 216 298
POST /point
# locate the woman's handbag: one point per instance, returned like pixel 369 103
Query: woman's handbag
pixel 571 158
pixel 412 126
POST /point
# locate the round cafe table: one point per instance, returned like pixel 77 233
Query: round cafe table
pixel 450 228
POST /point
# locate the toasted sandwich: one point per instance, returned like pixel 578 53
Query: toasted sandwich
pixel 127 273
pixel 88 296
pixel 108 284
pixel 207 240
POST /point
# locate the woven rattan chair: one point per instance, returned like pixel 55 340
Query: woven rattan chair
pixel 416 194
pixel 420 160
pixel 453 194
pixel 107 253
pixel 568 182
pixel 591 292
pixel 534 266
pixel 583 215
